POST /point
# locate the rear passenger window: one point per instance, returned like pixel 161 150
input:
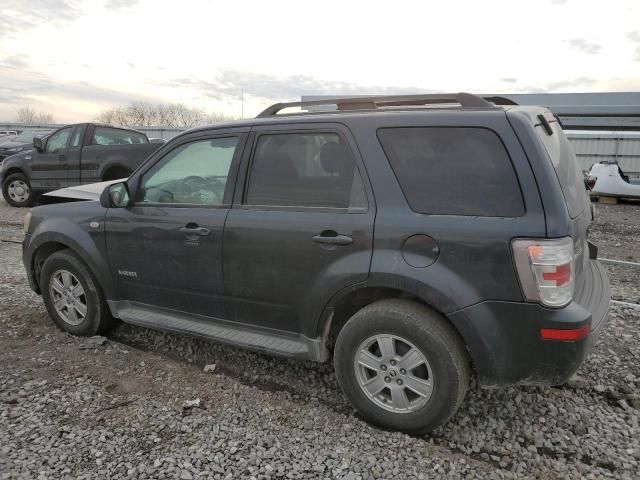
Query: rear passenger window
pixel 453 171
pixel 304 170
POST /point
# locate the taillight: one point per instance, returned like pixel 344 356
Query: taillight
pixel 546 270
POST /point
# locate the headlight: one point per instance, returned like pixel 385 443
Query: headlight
pixel 15 149
pixel 27 221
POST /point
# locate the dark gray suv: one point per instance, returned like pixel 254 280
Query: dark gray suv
pixel 417 238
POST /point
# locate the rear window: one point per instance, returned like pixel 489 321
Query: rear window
pixel 116 136
pixel 453 171
pixel 565 164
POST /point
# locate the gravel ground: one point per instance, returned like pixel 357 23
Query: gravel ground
pixel 74 409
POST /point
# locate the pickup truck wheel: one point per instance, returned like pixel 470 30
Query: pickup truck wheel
pixel 72 296
pixel 17 191
pixel 402 366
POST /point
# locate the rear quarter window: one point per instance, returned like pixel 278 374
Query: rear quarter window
pixel 453 171
pixel 564 162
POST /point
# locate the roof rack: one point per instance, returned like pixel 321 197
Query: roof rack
pixel 496 100
pixel 366 102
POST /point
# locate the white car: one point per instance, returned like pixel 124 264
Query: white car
pixel 612 182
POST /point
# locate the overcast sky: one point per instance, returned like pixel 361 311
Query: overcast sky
pixel 74 59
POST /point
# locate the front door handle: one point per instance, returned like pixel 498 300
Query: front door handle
pixel 330 237
pixel 62 158
pixel 194 229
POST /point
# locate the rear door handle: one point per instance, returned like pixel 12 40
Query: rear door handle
pixel 62 158
pixel 194 229
pixel 330 237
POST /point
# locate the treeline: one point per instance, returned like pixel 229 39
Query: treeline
pixel 172 115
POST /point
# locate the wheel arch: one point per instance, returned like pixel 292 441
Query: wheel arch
pixel 12 170
pixel 347 302
pixel 108 171
pixel 51 241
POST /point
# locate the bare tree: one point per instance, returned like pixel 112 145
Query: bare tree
pixel 29 115
pixel 44 118
pixel 25 115
pixel 144 114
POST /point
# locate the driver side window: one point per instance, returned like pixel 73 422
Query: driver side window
pixel 58 140
pixel 194 173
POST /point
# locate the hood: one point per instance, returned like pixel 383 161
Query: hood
pixel 90 191
pixel 11 144
pixel 24 154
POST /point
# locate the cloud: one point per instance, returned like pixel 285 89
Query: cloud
pixel 575 82
pixel 14 61
pixel 113 5
pixel 509 80
pixel 229 83
pixel 584 46
pixel 635 38
pixel 26 87
pixel 20 15
pixel 558 2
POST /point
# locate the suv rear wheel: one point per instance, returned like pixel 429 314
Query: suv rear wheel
pixel 402 366
pixel 72 296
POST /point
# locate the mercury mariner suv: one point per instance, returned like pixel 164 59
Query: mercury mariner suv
pixel 413 239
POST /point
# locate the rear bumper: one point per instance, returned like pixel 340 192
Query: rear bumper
pixel 504 337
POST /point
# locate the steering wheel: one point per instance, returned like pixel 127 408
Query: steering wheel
pixel 165 196
pixel 193 184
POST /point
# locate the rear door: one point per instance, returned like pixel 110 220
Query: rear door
pixel 300 230
pixel 49 168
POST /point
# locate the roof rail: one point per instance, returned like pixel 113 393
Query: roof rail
pixel 500 100
pixel 372 102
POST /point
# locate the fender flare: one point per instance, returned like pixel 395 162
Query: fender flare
pixel 428 294
pixel 79 241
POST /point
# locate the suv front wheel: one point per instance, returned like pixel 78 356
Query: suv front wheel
pixel 72 296
pixel 402 366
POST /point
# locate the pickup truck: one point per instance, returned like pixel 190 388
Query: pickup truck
pixel 73 155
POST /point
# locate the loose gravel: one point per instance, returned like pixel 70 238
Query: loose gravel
pixel 117 407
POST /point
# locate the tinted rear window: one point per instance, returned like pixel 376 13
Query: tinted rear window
pixel 305 170
pixel 564 161
pixel 453 171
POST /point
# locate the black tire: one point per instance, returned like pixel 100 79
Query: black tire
pixel 436 340
pixel 13 200
pixel 97 319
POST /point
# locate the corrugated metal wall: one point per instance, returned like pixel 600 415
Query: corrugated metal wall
pixel 593 147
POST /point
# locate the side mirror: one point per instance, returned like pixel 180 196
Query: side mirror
pixel 38 144
pixel 589 182
pixel 115 195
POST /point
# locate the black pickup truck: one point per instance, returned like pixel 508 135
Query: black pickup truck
pixel 73 155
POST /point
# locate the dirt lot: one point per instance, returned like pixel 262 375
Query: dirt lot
pixel 69 409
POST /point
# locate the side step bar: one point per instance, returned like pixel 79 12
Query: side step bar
pixel 260 339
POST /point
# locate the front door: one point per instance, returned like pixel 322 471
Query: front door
pixel 165 248
pixel 49 168
pixel 301 231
